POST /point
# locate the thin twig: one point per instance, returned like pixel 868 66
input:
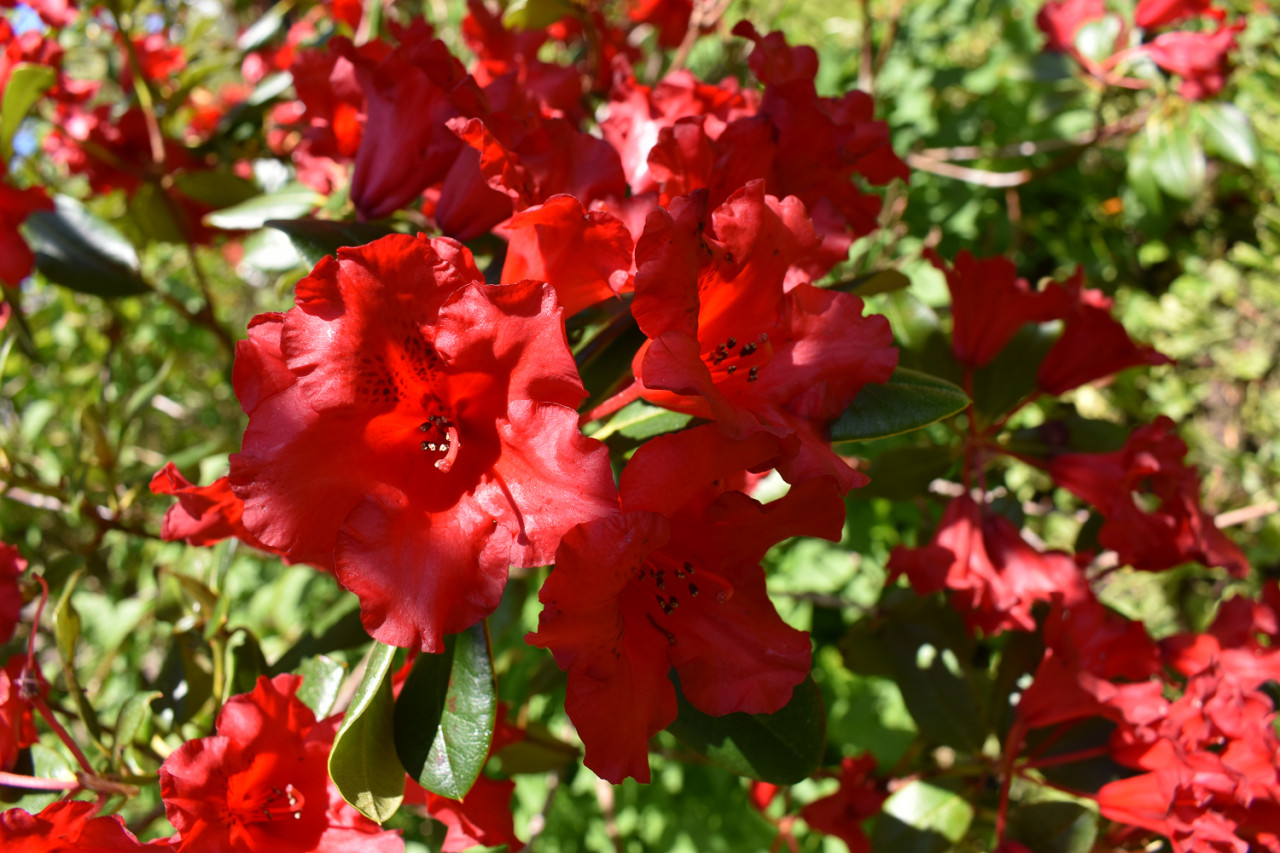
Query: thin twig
pixel 1245 513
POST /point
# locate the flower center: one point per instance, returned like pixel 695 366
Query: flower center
pixel 733 358
pixel 671 580
pixel 269 805
pixel 443 438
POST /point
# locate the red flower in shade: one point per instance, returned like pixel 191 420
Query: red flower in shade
pixel 860 796
pixel 17 728
pixel 990 303
pixel 1093 344
pixel 1161 13
pixel 1060 20
pixel 994 575
pixel 1200 59
pixel 674 582
pixel 409 95
pixel 16 259
pixel 1176 532
pixel 1233 643
pixel 414 428
pixel 11 568
pixel 730 340
pixel 70 827
pixel 584 255
pixel 669 17
pixel 261 784
pixel 203 515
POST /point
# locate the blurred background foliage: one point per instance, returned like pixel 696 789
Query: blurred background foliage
pixel 99 393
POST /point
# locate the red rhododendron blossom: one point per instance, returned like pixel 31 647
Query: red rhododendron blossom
pixel 1200 59
pixel 16 259
pixel 669 17
pixel 261 784
pixel 1060 20
pixel 584 255
pixel 507 59
pixel 11 568
pixel 70 827
pixel 990 303
pixel 18 684
pixel 409 95
pixel 415 429
pixel 841 814
pixel 1177 531
pixel 1093 344
pixel 1151 14
pixel 203 515
pixel 157 57
pixel 1241 642
pixel 674 582
pixel 731 341
pixel 994 575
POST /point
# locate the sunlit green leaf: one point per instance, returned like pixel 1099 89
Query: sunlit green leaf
pixel 908 401
pixel 363 763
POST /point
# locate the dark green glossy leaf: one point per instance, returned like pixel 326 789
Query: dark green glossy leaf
pixel 1054 827
pixel 26 83
pixel 215 187
pixel 315 238
pixel 1228 132
pixel 321 678
pixel 781 748
pixel 287 202
pixel 921 818
pixel 445 714
pixel 79 251
pixel 908 401
pixel 929 654
pixel 363 763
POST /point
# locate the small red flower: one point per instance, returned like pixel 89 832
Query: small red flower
pixel 70 827
pixel 1177 531
pixel 734 338
pixel 415 429
pixel 1093 345
pixel 11 568
pixel 203 515
pixel 16 259
pixel 1060 20
pixel 1200 59
pixel 841 814
pixel 261 784
pixel 17 727
pixel 157 57
pixel 669 17
pixel 674 582
pixel 990 303
pixel 1151 14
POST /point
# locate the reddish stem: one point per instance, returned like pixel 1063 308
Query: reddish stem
pixel 63 735
pixel 37 783
pixel 627 395
pixel 1012 745
pixel 1066 758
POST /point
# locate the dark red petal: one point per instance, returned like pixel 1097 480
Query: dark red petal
pixel 482 817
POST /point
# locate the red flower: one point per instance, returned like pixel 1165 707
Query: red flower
pixel 584 255
pixel 990 303
pixel 414 428
pixel 731 338
pixel 17 728
pixel 1060 20
pixel 1200 59
pixel 203 515
pixel 261 784
pixel 994 575
pixel 1177 531
pixel 1151 14
pixel 11 568
pixel 1232 644
pixel 16 259
pixel 70 827
pixel 841 814
pixel 669 17
pixel 508 60
pixel 674 582
pixel 1093 344
pixel 158 59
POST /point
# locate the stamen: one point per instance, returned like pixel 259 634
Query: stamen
pixel 453 442
pixel 753 374
pixel 747 349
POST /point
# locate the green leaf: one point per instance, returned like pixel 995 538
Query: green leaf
pixel 445 714
pixel 535 14
pixel 215 187
pixel 135 711
pixel 315 238
pixel 143 394
pixel 289 201
pixel 66 622
pixel 908 401
pixel 641 420
pixel 882 281
pixel 929 653
pixel 363 763
pixel 265 28
pixel 1054 827
pixel 780 748
pixel 321 678
pixel 1011 375
pixel 1177 159
pixel 79 251
pixel 922 817
pixel 26 83
pixel 1229 133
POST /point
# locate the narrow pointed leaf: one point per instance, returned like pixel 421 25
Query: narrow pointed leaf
pixel 908 401
pixel 780 748
pixel 26 83
pixel 445 714
pixel 363 763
